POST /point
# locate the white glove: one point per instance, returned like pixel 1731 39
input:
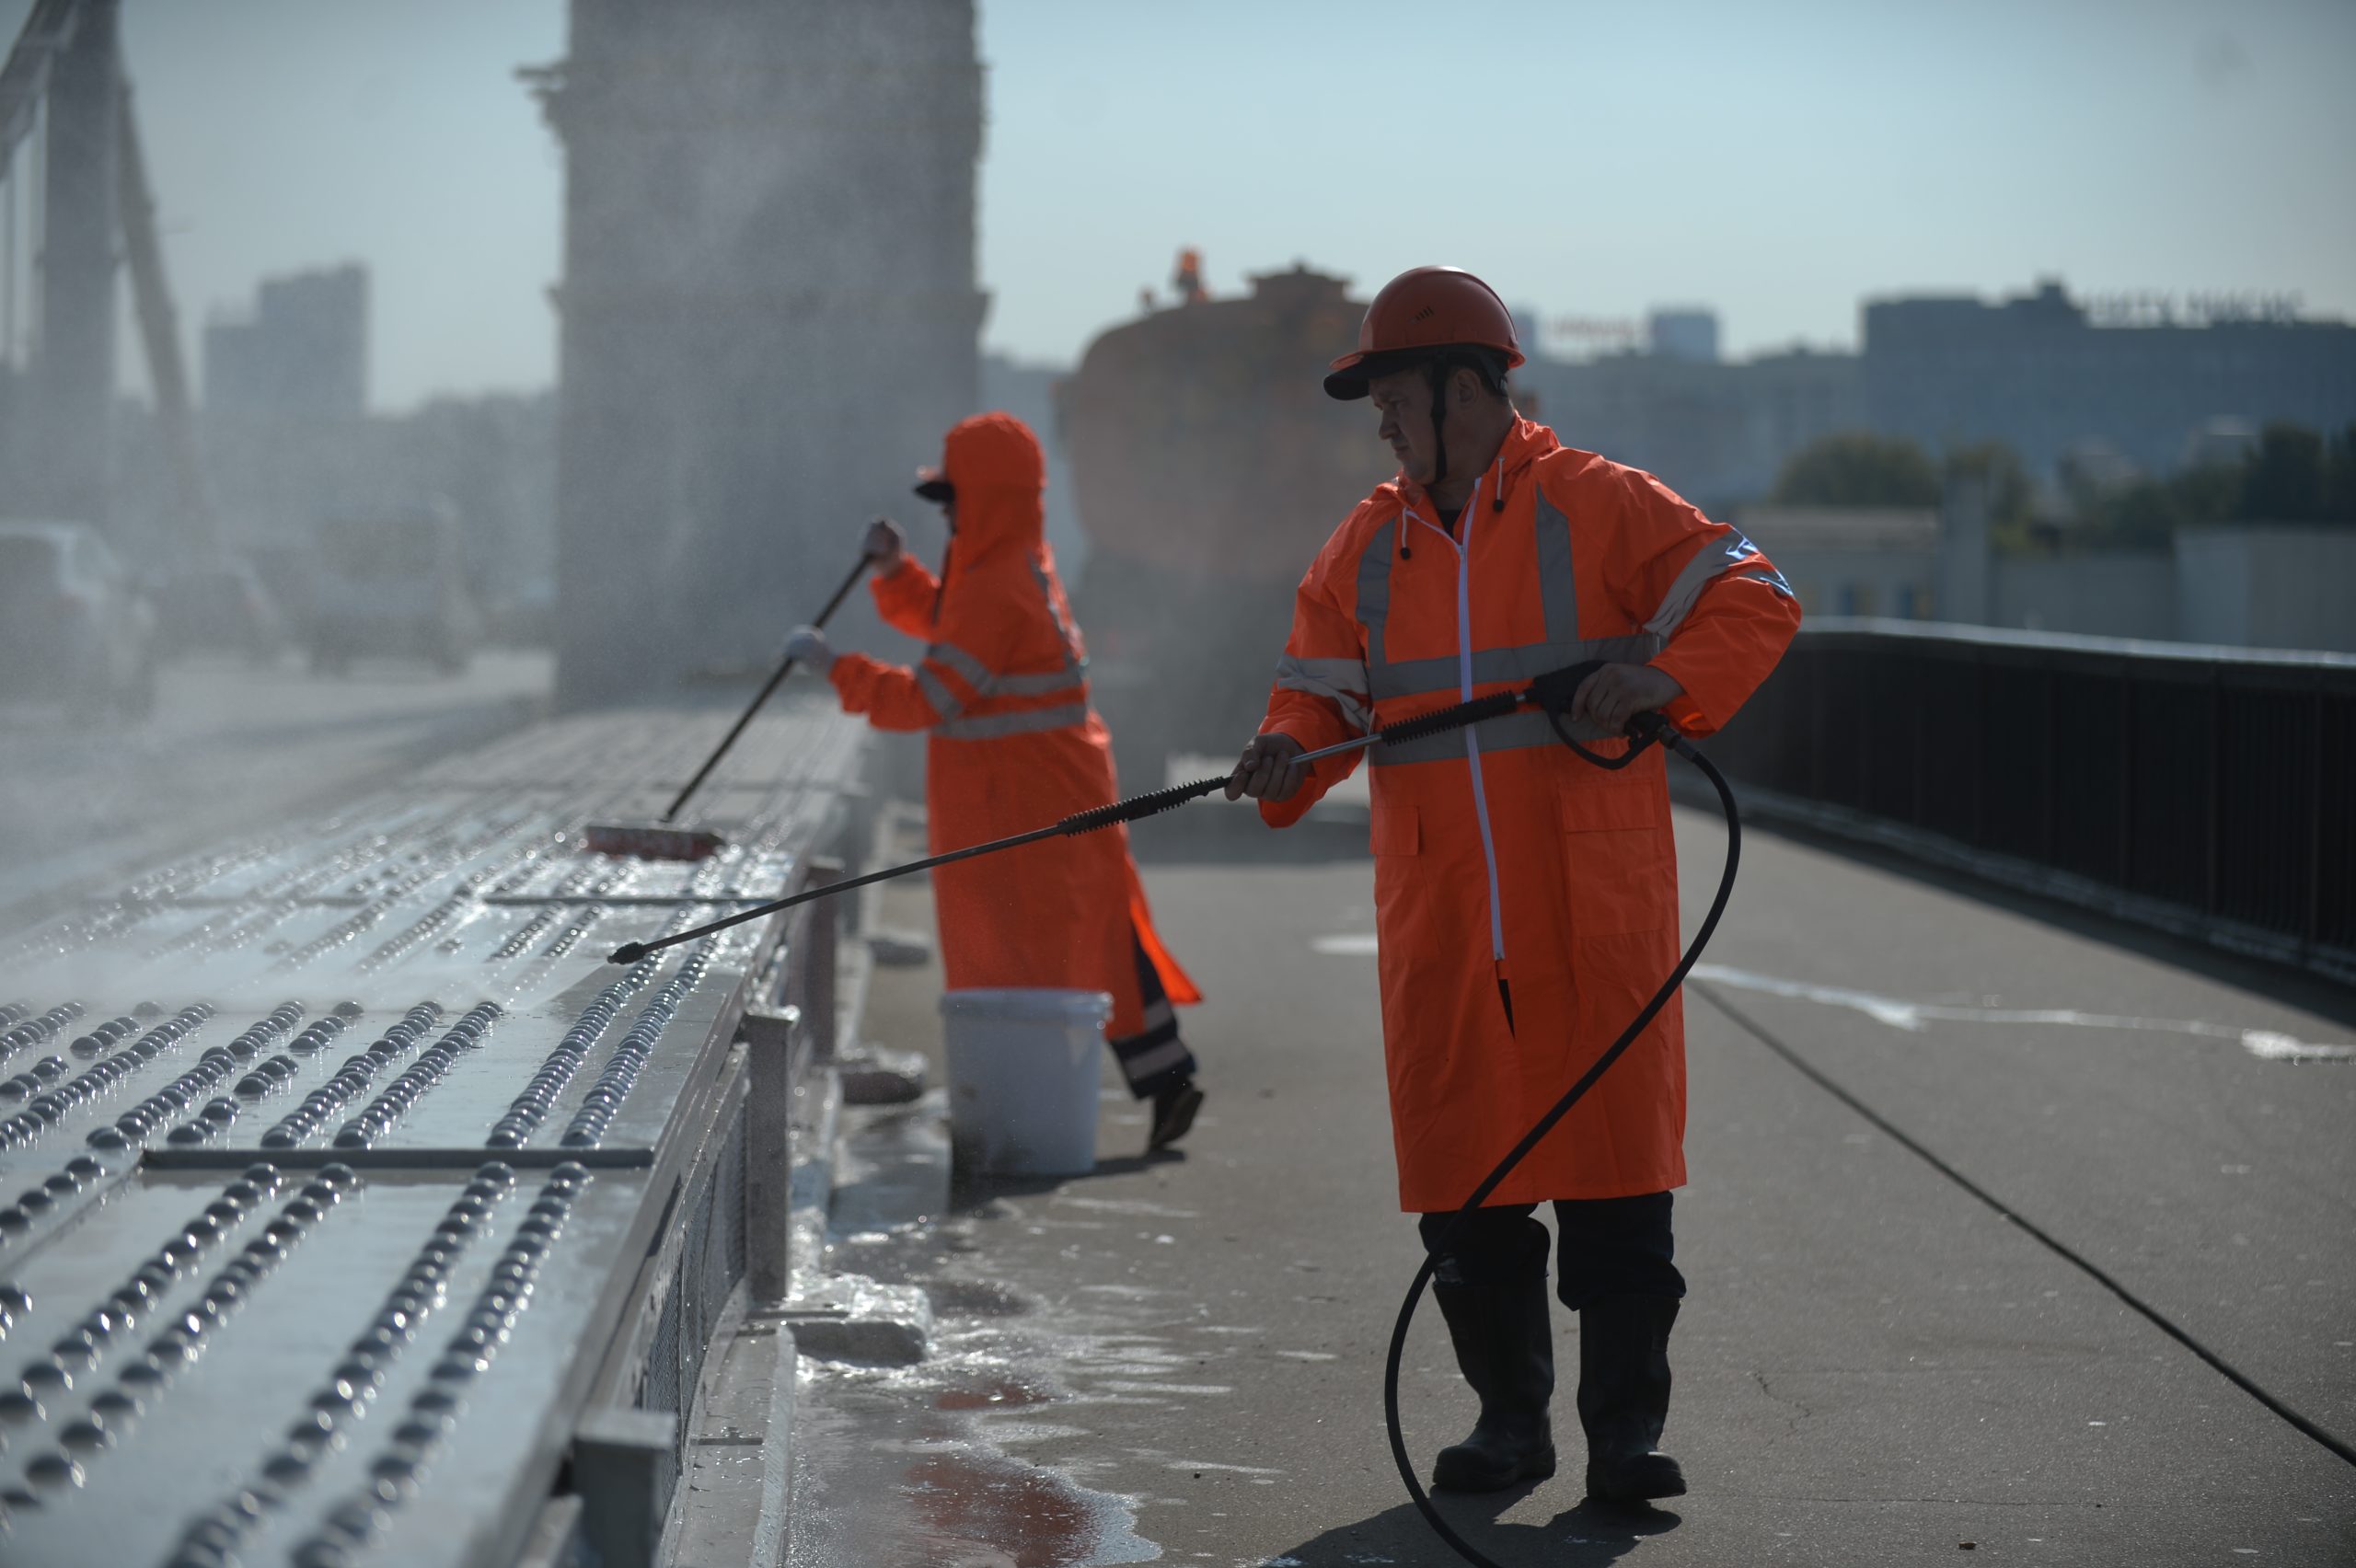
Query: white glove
pixel 883 544
pixel 808 645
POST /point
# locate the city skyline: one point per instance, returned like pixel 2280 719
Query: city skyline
pixel 1780 171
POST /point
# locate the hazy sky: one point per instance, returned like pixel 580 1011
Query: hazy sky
pixel 1778 161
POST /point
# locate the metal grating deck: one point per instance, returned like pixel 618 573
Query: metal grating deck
pixel 328 1158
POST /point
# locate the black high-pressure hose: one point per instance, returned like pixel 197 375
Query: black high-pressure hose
pixel 1648 727
pixel 1554 693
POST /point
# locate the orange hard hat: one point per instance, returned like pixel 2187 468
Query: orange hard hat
pixel 1422 311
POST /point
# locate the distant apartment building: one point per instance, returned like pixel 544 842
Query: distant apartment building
pixel 302 350
pixel 1686 332
pixel 1716 431
pixel 2144 378
pixel 2142 383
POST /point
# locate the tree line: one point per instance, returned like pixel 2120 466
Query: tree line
pixel 2289 474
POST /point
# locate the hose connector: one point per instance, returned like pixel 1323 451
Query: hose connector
pixel 1137 806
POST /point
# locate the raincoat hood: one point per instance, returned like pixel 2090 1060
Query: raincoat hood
pixel 1000 474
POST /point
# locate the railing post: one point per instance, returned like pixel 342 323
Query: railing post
pixel 768 1155
pixel 624 1467
pixel 2213 826
pixel 2318 715
pixel 2123 845
pixel 1984 733
pixel 811 970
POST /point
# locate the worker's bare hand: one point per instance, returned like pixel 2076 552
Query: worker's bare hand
pixel 1267 770
pixel 1617 693
pixel 885 544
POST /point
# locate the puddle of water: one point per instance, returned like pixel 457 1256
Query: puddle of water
pixel 2267 1044
pixel 888 1485
pixel 1032 1515
pixel 1003 1395
pixel 976 1298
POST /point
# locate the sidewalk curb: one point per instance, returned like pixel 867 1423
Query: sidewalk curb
pixel 869 1170
pixel 857 1170
pixel 745 1400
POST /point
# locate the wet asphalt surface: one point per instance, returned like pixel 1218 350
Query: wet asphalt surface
pixel 1178 1359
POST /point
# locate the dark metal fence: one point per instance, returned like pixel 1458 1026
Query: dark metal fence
pixel 2208 791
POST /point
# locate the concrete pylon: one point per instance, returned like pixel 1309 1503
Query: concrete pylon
pixel 72 404
pixel 769 312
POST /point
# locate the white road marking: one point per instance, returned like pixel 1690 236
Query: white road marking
pixel 1206 1465
pixel 2267 1044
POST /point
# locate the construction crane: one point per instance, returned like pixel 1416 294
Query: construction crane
pixel 51 30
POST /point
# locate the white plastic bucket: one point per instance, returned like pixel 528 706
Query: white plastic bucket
pixel 1022 1067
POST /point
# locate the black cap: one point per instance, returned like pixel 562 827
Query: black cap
pixel 934 486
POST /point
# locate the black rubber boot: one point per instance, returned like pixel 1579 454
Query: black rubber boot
pixel 1504 1335
pixel 1174 1113
pixel 1623 1398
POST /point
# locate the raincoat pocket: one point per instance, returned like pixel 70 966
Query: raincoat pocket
pixel 1615 859
pixel 1397 830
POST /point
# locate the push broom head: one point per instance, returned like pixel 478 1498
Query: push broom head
pixel 646 842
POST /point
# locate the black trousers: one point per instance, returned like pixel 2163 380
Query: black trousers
pixel 1609 1246
pixel 1154 1058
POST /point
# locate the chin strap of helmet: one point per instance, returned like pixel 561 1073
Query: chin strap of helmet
pixel 1437 371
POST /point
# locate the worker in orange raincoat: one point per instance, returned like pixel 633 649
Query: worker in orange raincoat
pixel 1012 744
pixel 1525 900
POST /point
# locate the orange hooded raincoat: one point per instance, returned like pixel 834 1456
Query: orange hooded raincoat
pixel 1014 746
pixel 1499 855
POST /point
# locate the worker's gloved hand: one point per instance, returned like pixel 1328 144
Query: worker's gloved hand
pixel 808 645
pixel 885 544
pixel 1617 693
pixel 1267 770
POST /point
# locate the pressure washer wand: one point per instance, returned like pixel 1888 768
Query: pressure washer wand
pixel 1131 809
pixel 1078 823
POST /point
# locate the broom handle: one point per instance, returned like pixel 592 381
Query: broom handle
pixel 785 669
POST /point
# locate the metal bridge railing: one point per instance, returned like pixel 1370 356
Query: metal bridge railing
pixel 2207 791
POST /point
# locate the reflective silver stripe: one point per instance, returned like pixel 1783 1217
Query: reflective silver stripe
pixel 977 674
pixel 1347 674
pixel 1341 682
pixel 1769 576
pixel 1419 677
pixel 1070 641
pixel 1723 553
pixel 1159 1012
pixel 1516 731
pixel 1050 683
pixel 1161 1058
pixel 1558 594
pixel 1374 590
pixel 991 726
pixel 1558 584
pixel 945 702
